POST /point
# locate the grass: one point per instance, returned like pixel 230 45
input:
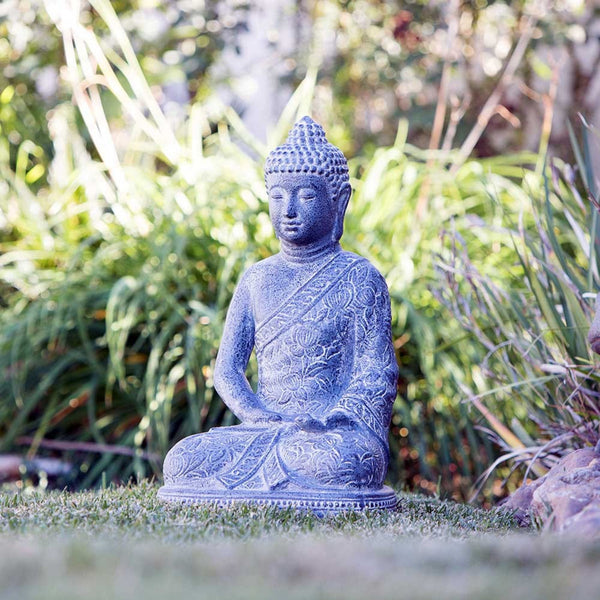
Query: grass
pixel 125 542
pixel 136 512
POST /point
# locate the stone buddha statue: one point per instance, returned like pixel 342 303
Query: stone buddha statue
pixel 314 432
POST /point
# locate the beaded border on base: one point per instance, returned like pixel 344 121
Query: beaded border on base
pixel 320 502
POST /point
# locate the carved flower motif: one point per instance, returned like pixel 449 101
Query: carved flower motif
pixel 366 296
pixel 293 391
pixel 291 381
pixel 360 469
pixel 338 299
pixel 305 337
pixel 305 341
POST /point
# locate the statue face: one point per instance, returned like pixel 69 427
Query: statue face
pixel 300 207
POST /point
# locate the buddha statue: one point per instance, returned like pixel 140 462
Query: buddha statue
pixel 314 433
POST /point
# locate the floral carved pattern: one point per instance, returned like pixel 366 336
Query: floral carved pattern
pixel 326 350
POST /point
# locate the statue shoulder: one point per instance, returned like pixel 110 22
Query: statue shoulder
pixel 367 272
pixel 256 276
pixel 255 273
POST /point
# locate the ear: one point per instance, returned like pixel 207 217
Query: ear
pixel 340 206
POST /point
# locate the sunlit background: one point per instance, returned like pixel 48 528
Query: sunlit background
pixel 377 62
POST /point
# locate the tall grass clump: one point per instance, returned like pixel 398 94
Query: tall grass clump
pixel 534 331
pixel 115 277
pixel 118 273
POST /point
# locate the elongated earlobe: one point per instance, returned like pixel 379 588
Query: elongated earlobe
pixel 341 204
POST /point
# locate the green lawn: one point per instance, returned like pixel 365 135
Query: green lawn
pixel 125 543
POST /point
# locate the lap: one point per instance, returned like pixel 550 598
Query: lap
pixel 233 455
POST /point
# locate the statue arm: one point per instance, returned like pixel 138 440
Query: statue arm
pixel 371 391
pixel 232 359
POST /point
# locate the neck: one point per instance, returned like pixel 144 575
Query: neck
pixel 309 252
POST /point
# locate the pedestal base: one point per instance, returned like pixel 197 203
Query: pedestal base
pixel 319 501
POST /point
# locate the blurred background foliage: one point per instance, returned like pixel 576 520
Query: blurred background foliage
pixel 534 329
pixel 393 60
pixel 380 60
pixel 131 198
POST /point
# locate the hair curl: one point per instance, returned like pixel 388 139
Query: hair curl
pixel 306 150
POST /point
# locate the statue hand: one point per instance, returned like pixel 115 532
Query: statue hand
pixel 339 419
pixel 308 423
pixel 258 415
pixel 334 420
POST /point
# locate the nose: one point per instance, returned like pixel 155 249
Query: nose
pixel 291 206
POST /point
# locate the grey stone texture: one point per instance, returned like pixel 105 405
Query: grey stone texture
pixel 567 498
pixel 314 433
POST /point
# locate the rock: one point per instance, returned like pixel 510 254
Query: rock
pixel 559 503
pixel 520 502
pixel 567 498
pixel 576 459
pixel 586 523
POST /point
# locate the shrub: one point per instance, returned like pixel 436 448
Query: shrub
pixel 538 361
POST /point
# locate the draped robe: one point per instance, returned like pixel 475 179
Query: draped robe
pixel 326 349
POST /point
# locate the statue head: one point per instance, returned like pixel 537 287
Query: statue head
pixel 308 186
